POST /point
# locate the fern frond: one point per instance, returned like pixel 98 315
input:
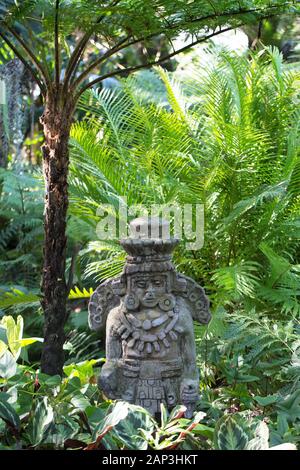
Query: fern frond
pixel 76 293
pixel 240 279
pixel 16 297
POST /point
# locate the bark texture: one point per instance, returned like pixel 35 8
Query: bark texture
pixel 56 121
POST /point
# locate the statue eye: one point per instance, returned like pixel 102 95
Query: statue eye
pixel 157 282
pixel 141 284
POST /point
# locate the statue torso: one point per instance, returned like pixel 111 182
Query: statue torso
pixel 151 333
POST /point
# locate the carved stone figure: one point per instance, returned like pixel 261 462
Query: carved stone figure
pixel 148 313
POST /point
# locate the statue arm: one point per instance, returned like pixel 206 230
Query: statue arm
pixel 108 380
pixel 189 355
pixel 190 385
pixel 113 339
pixel 113 344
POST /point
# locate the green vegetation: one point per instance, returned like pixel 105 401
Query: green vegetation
pixel 224 132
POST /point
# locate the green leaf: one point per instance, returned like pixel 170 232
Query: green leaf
pixel 279 265
pixel 289 406
pixel 80 402
pixel 261 439
pixel 8 414
pixel 3 336
pixel 246 378
pixel 73 385
pixel 17 297
pixel 163 415
pixel 52 381
pixel 266 401
pixel 27 341
pixel 203 430
pixel 128 430
pixel 83 370
pixel 3 348
pixel 42 418
pixel 14 333
pixel 76 293
pixel 8 365
pixel 230 434
pixel 116 413
pixel 60 432
pixel 241 279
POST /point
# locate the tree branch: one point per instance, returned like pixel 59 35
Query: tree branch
pixel 211 16
pixel 241 11
pixel 76 250
pixel 121 45
pixel 30 54
pixel 155 62
pixel 56 45
pixel 25 63
pixel 107 54
pixel 80 47
pixel 258 36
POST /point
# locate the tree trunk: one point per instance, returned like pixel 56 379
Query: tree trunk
pixel 56 120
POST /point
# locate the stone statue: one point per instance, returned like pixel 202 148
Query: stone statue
pixel 148 313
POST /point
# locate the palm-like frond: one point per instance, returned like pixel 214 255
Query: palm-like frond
pixel 227 138
pixel 49 29
pixel 240 279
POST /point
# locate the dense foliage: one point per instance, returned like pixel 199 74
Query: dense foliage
pixel 225 135
pixel 43 412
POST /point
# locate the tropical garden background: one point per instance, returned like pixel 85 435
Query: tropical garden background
pixel 217 124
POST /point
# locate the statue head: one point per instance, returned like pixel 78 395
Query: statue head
pixel 149 271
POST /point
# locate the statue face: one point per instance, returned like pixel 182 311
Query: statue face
pixel 149 288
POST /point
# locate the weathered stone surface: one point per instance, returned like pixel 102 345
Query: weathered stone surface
pixel 148 314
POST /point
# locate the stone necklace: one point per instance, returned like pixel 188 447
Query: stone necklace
pixel 137 332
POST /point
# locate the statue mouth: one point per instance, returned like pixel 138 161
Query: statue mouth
pixel 149 302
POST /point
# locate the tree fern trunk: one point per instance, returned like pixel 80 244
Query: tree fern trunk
pixel 56 121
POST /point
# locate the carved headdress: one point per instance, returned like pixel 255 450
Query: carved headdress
pixel 149 248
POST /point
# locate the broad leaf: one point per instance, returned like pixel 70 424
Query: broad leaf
pixel 3 348
pixel 8 414
pixel 83 370
pixel 128 430
pixel 14 333
pixel 261 439
pixel 266 401
pixel 8 365
pixel 42 417
pixel 230 434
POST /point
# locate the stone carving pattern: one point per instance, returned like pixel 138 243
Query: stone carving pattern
pixel 148 313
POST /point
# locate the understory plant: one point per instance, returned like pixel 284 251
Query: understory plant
pixel 50 412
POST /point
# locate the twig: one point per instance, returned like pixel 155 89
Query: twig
pixel 76 250
pixel 80 47
pixel 29 52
